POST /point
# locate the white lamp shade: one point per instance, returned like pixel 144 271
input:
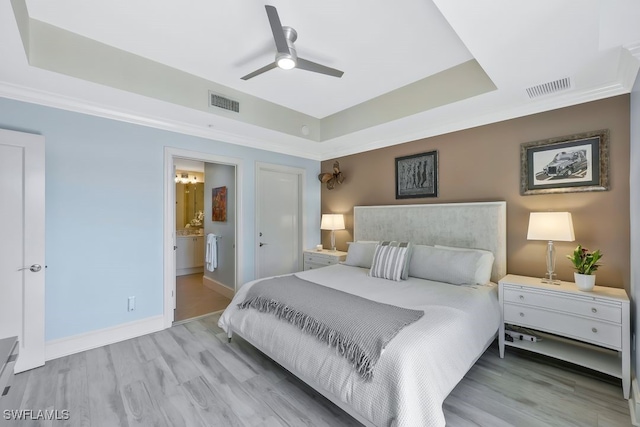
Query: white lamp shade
pixel 556 226
pixel 332 222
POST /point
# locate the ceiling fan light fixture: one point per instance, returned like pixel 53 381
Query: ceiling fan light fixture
pixel 285 61
pixel 286 56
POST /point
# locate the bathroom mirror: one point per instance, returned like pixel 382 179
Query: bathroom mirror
pixel 189 203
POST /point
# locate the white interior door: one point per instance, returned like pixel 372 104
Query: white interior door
pixel 22 261
pixel 278 221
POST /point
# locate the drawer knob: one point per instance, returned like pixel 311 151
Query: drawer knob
pixel 594 310
pixel 521 297
pixel 594 330
pixel 521 314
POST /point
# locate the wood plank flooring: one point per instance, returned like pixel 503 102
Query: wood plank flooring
pixel 189 375
pixel 194 299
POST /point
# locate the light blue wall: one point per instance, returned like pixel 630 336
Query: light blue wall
pixel 104 212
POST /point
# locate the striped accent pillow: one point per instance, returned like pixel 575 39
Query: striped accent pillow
pixel 391 260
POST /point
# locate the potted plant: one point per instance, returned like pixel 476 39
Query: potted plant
pixel 585 263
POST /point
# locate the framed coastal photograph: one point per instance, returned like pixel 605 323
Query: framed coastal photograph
pixel 417 175
pixel 219 201
pixel 565 164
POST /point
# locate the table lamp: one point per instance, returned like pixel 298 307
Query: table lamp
pixel 332 222
pixel 551 226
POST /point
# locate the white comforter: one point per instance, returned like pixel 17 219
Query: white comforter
pixel 419 367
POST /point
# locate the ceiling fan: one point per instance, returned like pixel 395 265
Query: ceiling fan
pixel 286 56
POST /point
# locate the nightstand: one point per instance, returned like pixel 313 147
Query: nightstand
pixel 590 329
pixel 314 258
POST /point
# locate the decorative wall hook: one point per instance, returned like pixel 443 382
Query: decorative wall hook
pixel 332 178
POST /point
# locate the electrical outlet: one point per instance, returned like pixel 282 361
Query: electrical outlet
pixel 131 304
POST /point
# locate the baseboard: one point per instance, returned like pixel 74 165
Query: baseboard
pixel 634 403
pixel 192 319
pixel 94 339
pixel 218 287
pixel 190 270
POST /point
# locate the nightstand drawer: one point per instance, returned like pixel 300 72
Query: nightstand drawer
pixel 590 330
pixel 320 259
pixel 317 259
pixel 594 309
pixel 312 266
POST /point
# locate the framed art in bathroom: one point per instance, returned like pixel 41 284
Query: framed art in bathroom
pixel 219 202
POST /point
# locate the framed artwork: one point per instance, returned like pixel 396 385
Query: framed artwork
pixel 417 175
pixel 566 164
pixel 219 201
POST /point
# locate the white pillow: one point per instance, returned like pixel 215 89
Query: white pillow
pixel 484 265
pixel 360 254
pixel 444 265
pixel 391 260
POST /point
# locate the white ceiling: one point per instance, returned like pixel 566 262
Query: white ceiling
pixel 380 46
pixel 222 41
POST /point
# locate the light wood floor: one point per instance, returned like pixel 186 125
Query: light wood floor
pixel 189 376
pixel 194 299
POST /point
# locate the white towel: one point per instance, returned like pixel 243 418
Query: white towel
pixel 211 256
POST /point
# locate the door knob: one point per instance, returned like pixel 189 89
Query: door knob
pixel 262 244
pixel 34 268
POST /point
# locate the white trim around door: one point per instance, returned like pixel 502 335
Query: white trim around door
pixel 170 223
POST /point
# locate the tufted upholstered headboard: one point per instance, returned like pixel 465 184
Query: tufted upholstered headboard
pixel 481 225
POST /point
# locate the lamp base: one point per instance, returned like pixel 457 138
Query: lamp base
pixel 549 279
pixel 551 265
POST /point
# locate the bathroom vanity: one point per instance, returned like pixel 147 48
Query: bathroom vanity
pixel 189 254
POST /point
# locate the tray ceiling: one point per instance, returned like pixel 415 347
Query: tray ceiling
pixel 410 71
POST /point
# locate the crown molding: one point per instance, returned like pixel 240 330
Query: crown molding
pixel 629 66
pixel 507 112
pixel 634 49
pixel 48 99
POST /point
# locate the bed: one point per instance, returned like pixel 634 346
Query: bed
pixel 420 366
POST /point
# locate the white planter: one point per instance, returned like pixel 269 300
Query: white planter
pixel 585 282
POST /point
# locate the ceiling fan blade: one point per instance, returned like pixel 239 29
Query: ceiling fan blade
pixel 276 29
pixel 260 71
pixel 303 64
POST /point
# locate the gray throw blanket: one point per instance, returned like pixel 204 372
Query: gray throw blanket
pixel 357 327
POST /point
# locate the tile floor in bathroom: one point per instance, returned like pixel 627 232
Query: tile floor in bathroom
pixel 194 299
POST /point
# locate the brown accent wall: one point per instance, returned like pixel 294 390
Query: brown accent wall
pixel 483 164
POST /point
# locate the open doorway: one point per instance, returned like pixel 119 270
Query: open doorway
pixel 202 287
pixel 201 262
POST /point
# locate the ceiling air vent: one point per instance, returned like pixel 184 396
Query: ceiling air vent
pixel 220 101
pixel 549 88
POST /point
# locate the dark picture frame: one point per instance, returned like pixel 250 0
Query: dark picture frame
pixel 568 164
pixel 219 204
pixel 417 175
